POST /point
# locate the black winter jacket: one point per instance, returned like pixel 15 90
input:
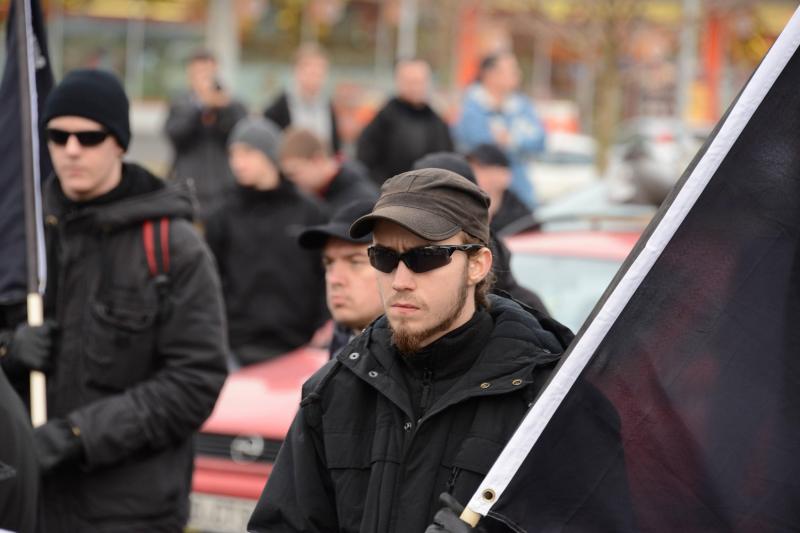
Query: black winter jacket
pixel 399 135
pixel 357 459
pixel 274 290
pixel 136 374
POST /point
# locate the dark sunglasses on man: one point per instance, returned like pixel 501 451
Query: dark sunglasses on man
pixel 85 138
pixel 418 260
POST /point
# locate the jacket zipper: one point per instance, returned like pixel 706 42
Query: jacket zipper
pixel 425 396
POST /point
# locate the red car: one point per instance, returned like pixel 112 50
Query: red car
pixel 238 444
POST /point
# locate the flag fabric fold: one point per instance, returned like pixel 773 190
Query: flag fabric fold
pixel 13 277
pixel 677 407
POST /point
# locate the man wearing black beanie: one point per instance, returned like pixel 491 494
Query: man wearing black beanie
pixel 133 343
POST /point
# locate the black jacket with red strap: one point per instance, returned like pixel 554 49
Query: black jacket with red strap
pixel 135 372
pixel 375 442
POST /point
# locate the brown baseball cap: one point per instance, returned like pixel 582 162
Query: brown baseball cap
pixel 432 203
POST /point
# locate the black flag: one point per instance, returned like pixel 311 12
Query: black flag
pixel 13 275
pixel 677 408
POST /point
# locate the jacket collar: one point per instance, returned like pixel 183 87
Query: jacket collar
pixel 149 198
pixel 517 344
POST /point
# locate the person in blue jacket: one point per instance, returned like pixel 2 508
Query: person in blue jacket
pixel 495 112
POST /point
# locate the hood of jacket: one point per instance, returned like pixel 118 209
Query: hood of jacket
pixel 149 198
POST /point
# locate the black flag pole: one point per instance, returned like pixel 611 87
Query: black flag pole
pixel 34 232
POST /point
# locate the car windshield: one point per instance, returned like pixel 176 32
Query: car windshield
pixel 569 286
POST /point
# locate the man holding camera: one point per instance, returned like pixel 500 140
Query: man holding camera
pixel 198 126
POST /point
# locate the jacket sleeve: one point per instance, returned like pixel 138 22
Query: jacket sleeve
pixel 216 238
pixel 191 343
pixel 299 493
pixel 183 122
pixel 527 131
pixel 472 127
pixel 371 147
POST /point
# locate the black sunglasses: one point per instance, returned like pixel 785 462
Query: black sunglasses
pixel 418 260
pixel 85 138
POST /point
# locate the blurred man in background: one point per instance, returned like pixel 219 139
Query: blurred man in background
pixel 350 285
pixel 406 128
pixel 307 162
pixel 198 126
pixel 305 103
pixel 274 290
pixel 493 173
pixel 495 112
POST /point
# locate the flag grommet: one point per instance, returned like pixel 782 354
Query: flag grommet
pixel 485 385
pixel 517 382
pixel 488 495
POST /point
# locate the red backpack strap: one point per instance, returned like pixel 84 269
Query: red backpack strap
pixel 165 243
pixel 155 236
pixel 156 246
pixel 149 247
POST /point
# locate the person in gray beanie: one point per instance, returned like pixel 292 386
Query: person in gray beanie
pixel 258 133
pixel 274 289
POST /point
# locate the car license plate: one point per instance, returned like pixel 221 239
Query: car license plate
pixel 219 514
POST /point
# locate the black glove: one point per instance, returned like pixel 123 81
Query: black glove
pixel 31 346
pixel 56 442
pixel 447 518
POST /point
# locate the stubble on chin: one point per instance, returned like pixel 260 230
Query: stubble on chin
pixel 408 342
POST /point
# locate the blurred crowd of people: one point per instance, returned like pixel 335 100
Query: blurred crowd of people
pixel 258 178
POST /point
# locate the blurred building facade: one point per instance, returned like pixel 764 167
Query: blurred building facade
pixel 580 58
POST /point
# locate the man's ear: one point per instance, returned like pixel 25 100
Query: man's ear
pixel 479 265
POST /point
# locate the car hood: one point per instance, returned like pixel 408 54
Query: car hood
pixel 262 399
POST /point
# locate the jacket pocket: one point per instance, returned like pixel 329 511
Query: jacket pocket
pixel 466 468
pixel 120 340
pixel 359 469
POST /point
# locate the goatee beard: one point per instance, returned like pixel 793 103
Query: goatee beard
pixel 408 343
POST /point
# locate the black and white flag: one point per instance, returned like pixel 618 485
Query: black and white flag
pixel 677 408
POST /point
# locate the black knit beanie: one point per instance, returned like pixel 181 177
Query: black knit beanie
pixel 94 94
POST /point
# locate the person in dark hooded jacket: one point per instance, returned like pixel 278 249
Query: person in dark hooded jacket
pixel 492 170
pixel 406 128
pixel 274 290
pixel 134 351
pixel 423 401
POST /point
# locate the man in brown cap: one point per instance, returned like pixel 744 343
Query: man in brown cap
pixel 422 402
